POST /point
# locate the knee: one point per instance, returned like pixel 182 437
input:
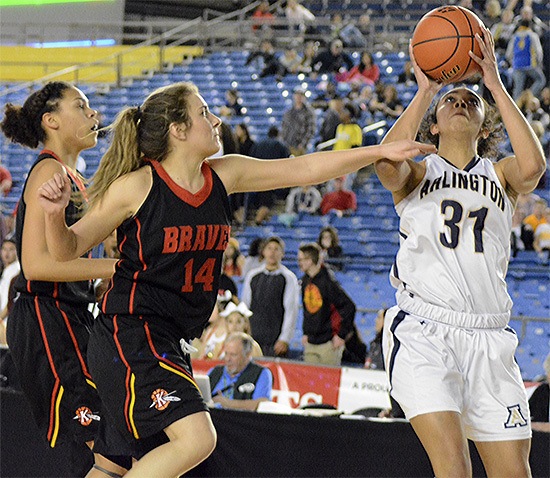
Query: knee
pixel 454 465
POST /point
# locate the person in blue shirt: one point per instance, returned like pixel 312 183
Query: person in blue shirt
pixel 240 383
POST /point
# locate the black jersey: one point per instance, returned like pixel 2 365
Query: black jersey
pixel 80 292
pixel 171 255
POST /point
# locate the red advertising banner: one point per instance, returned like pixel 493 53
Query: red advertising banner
pixel 348 389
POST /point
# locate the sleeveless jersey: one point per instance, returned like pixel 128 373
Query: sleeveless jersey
pixel 455 245
pixel 78 293
pixel 171 255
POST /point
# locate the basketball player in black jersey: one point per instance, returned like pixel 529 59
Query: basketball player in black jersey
pixel 48 327
pixel 170 208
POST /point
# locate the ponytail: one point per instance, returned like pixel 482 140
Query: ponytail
pixel 122 156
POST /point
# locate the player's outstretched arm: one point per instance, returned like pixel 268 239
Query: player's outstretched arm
pixel 241 173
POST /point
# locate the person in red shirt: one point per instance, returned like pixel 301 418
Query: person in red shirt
pixel 262 17
pixel 341 202
pixel 5 180
pixel 366 71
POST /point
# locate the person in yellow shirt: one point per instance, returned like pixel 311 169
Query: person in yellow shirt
pixel 348 132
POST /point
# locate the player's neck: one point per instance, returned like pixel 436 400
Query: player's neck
pixel 457 154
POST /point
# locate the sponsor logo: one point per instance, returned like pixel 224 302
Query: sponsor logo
pixel 161 399
pixel 85 416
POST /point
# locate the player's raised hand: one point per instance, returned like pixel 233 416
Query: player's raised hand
pixel 54 194
pixel 422 80
pixel 488 62
pixel 406 149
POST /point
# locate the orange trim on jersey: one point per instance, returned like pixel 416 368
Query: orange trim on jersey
pixel 111 282
pixel 136 274
pixel 196 199
pixel 130 386
pixel 75 344
pixel 55 400
pixel 76 179
pixel 167 364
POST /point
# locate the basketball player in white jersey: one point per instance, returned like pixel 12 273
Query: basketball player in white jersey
pixel 448 349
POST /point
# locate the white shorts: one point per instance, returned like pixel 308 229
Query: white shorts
pixel 434 367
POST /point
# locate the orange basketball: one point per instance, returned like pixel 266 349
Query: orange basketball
pixel 441 42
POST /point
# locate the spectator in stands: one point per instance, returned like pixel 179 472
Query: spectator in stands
pixel 262 18
pixel 532 221
pixel 303 199
pixel 271 65
pixel 254 257
pixel 233 260
pixel 541 242
pixel 244 146
pixel 209 346
pixel 308 55
pixel 291 61
pixel 327 91
pixel 347 31
pixel 329 313
pixel 348 133
pixel 462 311
pixel 545 99
pixel 270 147
pixel 237 319
pixel 331 250
pixel 366 72
pixel 299 125
pixel 240 383
pixel 271 292
pixel 492 13
pixel 375 359
pixel 300 200
pixel 340 202
pixel 524 53
pixel 6 181
pixel 389 104
pixel 526 14
pixel 503 30
pixel 244 139
pixel 233 104
pixel 407 77
pixel 331 120
pixel 539 402
pixel 333 60
pixel 531 108
pixel 299 18
pixel 10 269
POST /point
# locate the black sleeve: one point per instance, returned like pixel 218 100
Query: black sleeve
pixel 344 305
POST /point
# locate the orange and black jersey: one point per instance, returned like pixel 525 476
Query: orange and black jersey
pixel 171 255
pixel 78 293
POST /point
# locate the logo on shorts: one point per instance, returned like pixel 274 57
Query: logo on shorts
pixel 515 417
pixel 161 399
pixel 85 416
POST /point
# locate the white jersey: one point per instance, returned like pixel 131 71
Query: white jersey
pixel 455 245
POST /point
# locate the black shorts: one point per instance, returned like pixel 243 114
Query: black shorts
pixel 145 382
pixel 48 341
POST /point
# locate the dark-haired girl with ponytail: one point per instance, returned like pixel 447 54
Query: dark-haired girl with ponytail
pixel 49 325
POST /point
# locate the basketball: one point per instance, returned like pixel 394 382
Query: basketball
pixel 441 41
